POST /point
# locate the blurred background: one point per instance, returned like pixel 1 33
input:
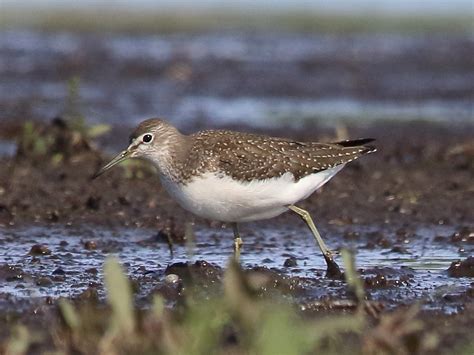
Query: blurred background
pixel 258 63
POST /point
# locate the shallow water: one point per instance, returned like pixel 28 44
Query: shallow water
pixel 418 271
pixel 7 148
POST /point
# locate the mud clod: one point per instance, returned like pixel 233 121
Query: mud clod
pixel 39 249
pixel 463 268
pixel 44 281
pixel 89 295
pixel 290 262
pixel 200 271
pixel 93 203
pixel 465 235
pixel 59 271
pixel 90 245
pixel 92 271
pixel 10 273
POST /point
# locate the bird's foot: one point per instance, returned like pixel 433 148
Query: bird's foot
pixel 333 271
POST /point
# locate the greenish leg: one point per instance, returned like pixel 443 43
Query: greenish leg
pixel 237 241
pixel 333 269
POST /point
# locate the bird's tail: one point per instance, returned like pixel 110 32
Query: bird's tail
pixel 359 142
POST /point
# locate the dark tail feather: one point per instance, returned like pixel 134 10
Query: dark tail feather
pixel 358 143
pixel 355 142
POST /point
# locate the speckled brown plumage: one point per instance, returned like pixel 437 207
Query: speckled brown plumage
pixel 247 157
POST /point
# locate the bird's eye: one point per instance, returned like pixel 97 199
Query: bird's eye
pixel 147 138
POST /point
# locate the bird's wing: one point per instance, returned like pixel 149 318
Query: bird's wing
pixel 248 156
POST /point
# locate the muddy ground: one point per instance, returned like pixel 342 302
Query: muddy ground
pixel 406 212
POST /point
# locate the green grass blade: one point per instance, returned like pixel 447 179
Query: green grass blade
pixel 119 296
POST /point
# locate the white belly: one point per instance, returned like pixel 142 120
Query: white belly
pixel 225 199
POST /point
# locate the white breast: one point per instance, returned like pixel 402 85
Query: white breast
pixel 224 199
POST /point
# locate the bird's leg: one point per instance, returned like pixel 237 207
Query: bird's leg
pixel 237 240
pixel 309 221
pixel 333 269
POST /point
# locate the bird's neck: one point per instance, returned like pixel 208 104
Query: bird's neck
pixel 172 155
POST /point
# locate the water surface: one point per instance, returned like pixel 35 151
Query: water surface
pixel 261 79
pixel 418 268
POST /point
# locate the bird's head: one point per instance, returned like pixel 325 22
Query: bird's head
pixel 151 141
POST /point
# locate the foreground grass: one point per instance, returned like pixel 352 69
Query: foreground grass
pixel 238 321
pixel 157 21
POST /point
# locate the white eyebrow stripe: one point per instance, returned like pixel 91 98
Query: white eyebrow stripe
pixel 135 143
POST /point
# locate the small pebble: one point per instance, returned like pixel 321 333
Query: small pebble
pixel 172 279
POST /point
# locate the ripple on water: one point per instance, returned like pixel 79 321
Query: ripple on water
pixel 72 265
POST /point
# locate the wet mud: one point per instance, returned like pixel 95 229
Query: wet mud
pixel 408 223
pixel 405 212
